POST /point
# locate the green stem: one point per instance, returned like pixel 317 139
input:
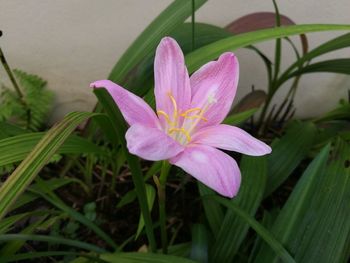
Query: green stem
pixel 15 85
pixel 10 74
pixel 161 184
pixel 193 24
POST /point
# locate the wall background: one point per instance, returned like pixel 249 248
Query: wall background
pixel 71 43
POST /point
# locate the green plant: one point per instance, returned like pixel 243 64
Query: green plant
pixel 96 203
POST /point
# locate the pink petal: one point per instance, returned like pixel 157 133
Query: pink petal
pixel 134 109
pixel 171 78
pixel 151 143
pixel 212 167
pixel 231 138
pixel 214 87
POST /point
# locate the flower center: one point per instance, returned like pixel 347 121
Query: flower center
pixel 180 125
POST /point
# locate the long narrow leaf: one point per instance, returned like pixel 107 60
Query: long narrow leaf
pixel 174 15
pixel 263 232
pixel 341 66
pixel 200 56
pixel 37 159
pixel 233 228
pixel 16 148
pixel 119 127
pixel 314 223
pixel 288 152
pixel 134 257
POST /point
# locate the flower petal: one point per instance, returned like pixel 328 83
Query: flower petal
pixel 212 167
pixel 214 87
pixel 231 138
pixel 134 109
pixel 171 78
pixel 151 143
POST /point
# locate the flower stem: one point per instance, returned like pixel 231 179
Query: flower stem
pixel 161 184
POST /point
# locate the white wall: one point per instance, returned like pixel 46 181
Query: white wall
pixel 71 43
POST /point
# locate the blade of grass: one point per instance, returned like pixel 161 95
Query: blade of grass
pixel 32 255
pixel 332 45
pixel 143 257
pixel 209 52
pixel 52 239
pixel 199 245
pixel 314 223
pixel 288 152
pixel 263 232
pixel 16 148
pixel 233 228
pixel 37 159
pixel 56 201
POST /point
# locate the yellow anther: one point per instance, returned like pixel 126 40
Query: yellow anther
pixel 197 117
pixel 166 116
pixel 181 130
pixel 174 104
pixel 184 114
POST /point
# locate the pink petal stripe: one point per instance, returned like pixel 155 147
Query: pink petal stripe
pixel 212 167
pixel 231 138
pixel 134 109
pixel 151 143
pixel 171 78
pixel 214 87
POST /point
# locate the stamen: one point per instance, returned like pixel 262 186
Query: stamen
pixel 166 116
pixel 181 130
pixel 190 110
pixel 174 105
pixel 197 117
pixel 185 114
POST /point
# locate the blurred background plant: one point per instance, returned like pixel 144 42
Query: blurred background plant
pixel 73 194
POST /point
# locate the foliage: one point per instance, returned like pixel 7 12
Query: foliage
pixel 96 203
pixel 31 110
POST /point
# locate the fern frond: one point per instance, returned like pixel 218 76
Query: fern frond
pixel 32 110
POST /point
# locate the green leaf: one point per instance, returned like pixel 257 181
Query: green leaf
pixel 84 258
pixel 213 211
pixel 37 159
pixel 262 231
pixel 342 112
pixel 128 198
pixel 143 257
pixel 52 239
pixel 238 118
pixel 173 16
pixel 233 228
pixel 37 97
pixel 119 128
pixel 341 66
pixel 52 185
pixel 332 45
pixel 151 194
pixel 16 148
pixel 199 245
pixel 143 73
pixel 288 152
pixel 209 52
pixel 295 207
pixel 56 201
pixel 8 130
pixel 13 246
pixel 314 224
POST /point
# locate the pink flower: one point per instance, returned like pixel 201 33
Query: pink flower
pixel 186 129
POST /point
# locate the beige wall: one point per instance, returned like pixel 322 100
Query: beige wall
pixel 73 42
